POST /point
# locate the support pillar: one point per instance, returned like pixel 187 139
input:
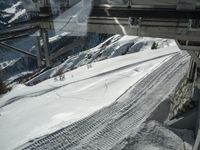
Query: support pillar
pixel 196 75
pixel 45 39
pixel 197 141
pixel 195 57
pixel 196 97
pixel 191 72
pixel 84 3
pixel 38 50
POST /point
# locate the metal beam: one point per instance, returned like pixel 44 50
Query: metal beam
pixel 151 3
pixel 193 52
pixel 18 50
pixel 174 29
pixel 188 45
pixel 195 57
pixel 15 31
pixel 39 49
pixel 45 39
pixel 156 22
pixel 13 37
pixel 197 141
pixel 142 11
pixel 162 28
pixel 191 71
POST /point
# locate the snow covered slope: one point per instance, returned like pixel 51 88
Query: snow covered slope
pixel 114 124
pixel 14 13
pixel 116 45
pixel 30 112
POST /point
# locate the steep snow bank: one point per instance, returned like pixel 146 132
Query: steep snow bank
pixel 30 112
pixel 110 125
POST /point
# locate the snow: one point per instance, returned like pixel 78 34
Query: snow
pixel 16 11
pixel 58 37
pixel 13 9
pixel 7 63
pixel 114 123
pixel 17 76
pixel 31 112
pixel 154 136
pixel 17 15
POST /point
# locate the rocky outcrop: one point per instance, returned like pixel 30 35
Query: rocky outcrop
pixel 181 101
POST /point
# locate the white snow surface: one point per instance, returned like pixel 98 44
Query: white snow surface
pixel 58 37
pixel 13 9
pixel 154 136
pixel 16 11
pixel 18 15
pixel 7 63
pixel 30 112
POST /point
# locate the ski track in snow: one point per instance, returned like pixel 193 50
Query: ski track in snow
pixel 110 125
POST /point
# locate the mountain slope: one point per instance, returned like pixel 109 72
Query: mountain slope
pixel 116 45
pixel 111 125
pixel 12 11
pixel 85 90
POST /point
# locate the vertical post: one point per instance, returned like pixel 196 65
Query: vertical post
pixel 196 97
pixel 47 3
pixel 84 3
pixel 38 49
pixel 129 3
pixel 46 46
pixel 197 141
pixel 191 71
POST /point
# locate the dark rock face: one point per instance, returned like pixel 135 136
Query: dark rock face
pixel 181 101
